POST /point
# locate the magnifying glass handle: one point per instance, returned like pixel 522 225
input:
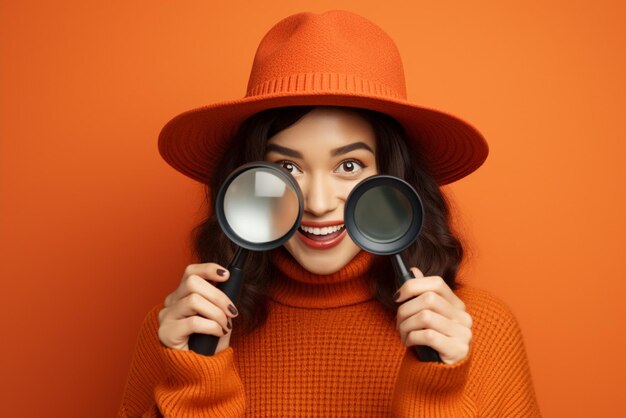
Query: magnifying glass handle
pixel 206 344
pixel 423 352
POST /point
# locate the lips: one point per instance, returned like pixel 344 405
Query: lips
pixel 321 235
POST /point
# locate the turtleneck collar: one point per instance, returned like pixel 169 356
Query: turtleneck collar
pixel 296 286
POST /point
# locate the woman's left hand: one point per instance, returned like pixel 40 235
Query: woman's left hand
pixel 431 314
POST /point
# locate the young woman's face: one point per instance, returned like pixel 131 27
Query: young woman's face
pixel 328 152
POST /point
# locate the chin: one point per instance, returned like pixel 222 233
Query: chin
pixel 323 262
pixel 319 268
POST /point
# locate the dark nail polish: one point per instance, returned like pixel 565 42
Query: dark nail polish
pixel 233 310
pixel 229 325
pixel 396 296
pixel 224 331
pixel 220 272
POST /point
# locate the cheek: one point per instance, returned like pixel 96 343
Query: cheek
pixel 344 188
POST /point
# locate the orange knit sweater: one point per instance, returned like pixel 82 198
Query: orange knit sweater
pixel 329 349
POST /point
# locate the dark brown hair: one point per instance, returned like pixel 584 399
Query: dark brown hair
pixel 437 251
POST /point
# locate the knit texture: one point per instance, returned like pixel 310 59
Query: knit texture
pixel 329 349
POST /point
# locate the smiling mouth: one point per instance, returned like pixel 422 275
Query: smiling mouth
pixel 321 234
pixel 321 237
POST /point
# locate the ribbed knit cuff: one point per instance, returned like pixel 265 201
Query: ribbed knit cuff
pixel 434 376
pixel 431 389
pixel 200 386
pixel 189 368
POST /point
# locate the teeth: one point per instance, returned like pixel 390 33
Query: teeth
pixel 321 231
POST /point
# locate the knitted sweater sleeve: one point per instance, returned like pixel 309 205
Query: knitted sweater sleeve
pixel 492 381
pixel 163 382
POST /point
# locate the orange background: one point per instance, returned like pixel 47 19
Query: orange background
pixel 95 227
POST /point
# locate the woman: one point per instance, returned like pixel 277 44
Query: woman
pixel 319 329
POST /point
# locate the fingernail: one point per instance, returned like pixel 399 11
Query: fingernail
pixel 225 332
pixel 229 325
pixel 221 272
pixel 396 296
pixel 233 310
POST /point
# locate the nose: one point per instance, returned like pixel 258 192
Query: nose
pixel 320 196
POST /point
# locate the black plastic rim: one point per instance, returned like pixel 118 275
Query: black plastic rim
pixel 221 216
pixel 402 242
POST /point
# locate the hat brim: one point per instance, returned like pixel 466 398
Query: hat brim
pixel 195 141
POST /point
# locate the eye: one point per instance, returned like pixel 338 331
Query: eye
pixel 290 167
pixel 350 167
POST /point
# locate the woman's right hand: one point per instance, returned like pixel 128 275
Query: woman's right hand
pixel 197 307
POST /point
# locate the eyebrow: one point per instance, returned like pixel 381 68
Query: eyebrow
pixel 350 147
pixel 283 150
pixel 334 152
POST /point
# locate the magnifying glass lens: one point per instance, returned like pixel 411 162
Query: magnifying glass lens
pixel 260 206
pixel 383 214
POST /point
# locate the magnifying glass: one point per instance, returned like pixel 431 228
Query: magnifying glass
pixel 259 207
pixel 383 215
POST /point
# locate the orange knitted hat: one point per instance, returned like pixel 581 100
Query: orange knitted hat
pixel 335 58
